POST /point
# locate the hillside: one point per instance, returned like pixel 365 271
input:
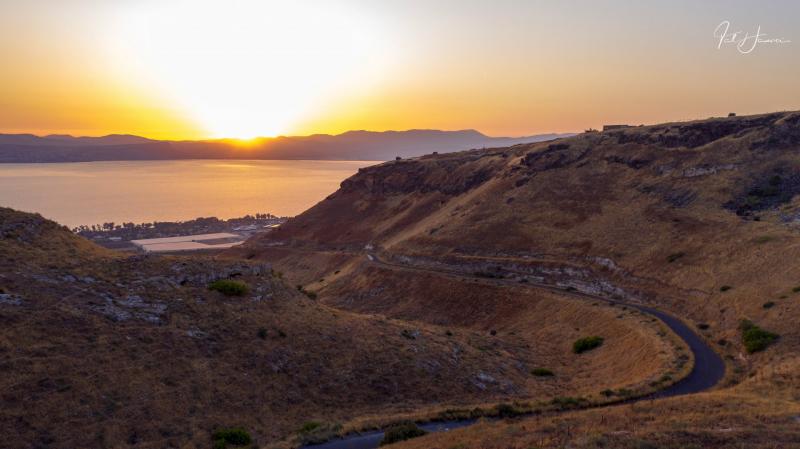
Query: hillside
pixel 352 145
pixel 105 349
pixel 698 219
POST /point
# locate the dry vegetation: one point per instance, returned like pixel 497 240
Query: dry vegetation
pixel 699 219
pixel 100 350
pixel 426 288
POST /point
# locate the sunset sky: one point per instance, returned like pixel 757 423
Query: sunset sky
pixel 205 69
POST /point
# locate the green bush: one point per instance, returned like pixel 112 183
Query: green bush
pixel 725 288
pixel 235 436
pixel 584 344
pixel 309 426
pixel 541 372
pixel 315 432
pixel 229 287
pixel 754 338
pixel 624 392
pixel 401 432
pixel 506 410
pixel 768 305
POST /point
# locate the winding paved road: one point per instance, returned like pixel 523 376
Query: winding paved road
pixel 707 371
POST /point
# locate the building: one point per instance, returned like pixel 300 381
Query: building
pixel 197 242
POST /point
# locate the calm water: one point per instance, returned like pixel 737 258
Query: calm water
pixel 146 191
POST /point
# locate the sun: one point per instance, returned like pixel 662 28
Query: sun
pixel 246 69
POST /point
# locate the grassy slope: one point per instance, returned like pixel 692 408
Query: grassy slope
pixel 86 364
pixel 658 204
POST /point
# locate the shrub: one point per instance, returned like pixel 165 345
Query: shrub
pixel 725 288
pixel 568 402
pixel 309 426
pixel 703 326
pixel 542 372
pixel 488 275
pixel 235 436
pixel 455 414
pixel 262 333
pixel 675 256
pixel 506 410
pixel 409 334
pixel 401 432
pixel 764 239
pixel 796 289
pixel 582 345
pixel 477 412
pixel 768 305
pixel 642 444
pixel 754 338
pixel 228 287
pixel 311 295
pixel 315 432
pixel 624 392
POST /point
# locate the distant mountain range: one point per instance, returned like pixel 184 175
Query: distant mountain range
pixel 351 145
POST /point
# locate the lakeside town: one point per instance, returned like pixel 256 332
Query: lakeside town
pixel 201 232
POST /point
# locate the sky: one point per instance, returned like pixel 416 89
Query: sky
pixel 195 69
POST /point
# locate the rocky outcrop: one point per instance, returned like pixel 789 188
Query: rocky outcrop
pixel 8 299
pixel 767 191
pixel 447 176
pixel 695 134
pixel 554 156
pixel 130 307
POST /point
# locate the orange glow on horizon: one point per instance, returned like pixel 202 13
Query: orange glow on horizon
pixel 202 69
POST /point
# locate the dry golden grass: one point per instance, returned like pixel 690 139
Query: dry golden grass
pixel 81 373
pixel 651 210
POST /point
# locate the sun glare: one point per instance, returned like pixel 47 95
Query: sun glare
pixel 245 69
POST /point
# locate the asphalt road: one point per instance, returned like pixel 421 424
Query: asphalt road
pixel 707 371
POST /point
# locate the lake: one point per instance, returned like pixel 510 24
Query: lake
pixel 145 191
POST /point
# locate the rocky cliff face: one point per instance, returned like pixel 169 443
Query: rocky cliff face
pixel 714 164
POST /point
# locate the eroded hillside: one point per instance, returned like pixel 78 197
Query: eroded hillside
pixel 100 349
pixel 699 219
pixel 667 213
